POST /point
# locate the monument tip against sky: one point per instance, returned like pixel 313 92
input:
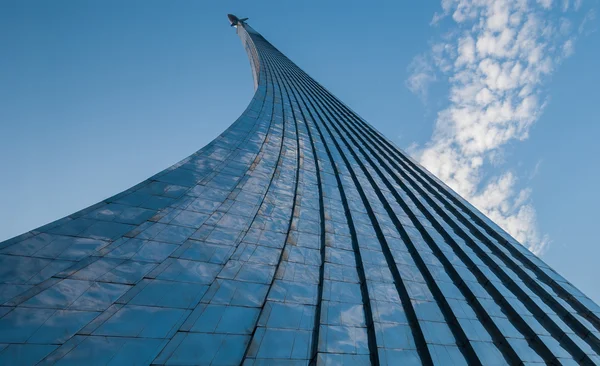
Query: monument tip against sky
pixel 235 20
pixel 298 236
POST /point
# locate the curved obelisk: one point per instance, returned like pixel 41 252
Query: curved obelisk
pixel 299 235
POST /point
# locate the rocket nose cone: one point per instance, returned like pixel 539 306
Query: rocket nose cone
pixel 232 18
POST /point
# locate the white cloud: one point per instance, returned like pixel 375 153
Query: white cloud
pixel 564 26
pixel 586 27
pixel 496 56
pixel 568 48
pixel 536 169
pixel 421 76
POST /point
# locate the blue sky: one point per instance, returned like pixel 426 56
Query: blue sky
pixel 97 96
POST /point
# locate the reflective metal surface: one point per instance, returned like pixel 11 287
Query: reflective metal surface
pixel 300 235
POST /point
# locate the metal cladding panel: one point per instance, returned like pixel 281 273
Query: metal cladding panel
pixel 298 236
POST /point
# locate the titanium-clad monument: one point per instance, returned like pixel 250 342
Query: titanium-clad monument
pixel 298 236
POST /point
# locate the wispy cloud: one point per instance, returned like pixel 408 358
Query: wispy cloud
pixel 587 26
pixel 496 55
pixel 421 76
pixel 536 169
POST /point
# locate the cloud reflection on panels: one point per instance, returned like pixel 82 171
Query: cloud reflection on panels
pixel 298 236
